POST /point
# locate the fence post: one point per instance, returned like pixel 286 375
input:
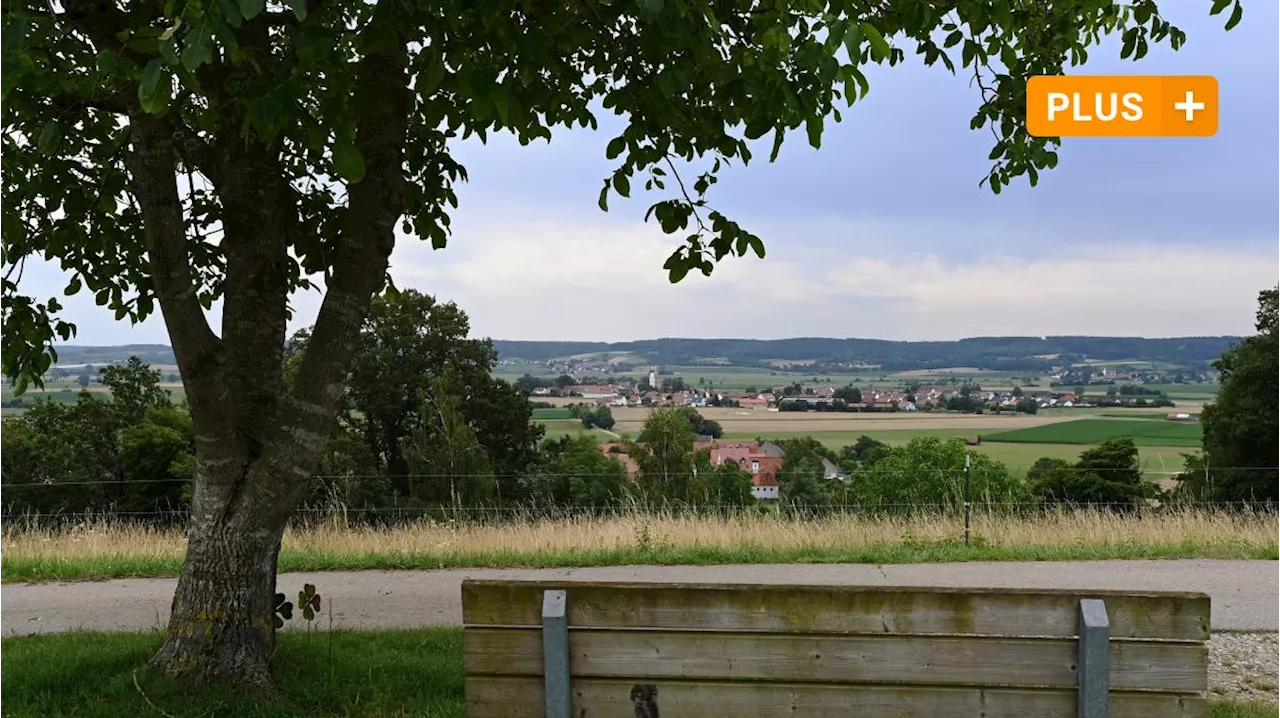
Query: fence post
pixel 1094 659
pixel 555 653
pixel 967 484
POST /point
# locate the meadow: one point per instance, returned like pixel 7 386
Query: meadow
pixel 100 549
pixel 417 672
pixel 1094 431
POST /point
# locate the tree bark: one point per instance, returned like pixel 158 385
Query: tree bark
pixel 222 621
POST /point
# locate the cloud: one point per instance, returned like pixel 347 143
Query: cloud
pixel 569 278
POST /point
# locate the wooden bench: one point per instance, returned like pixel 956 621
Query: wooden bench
pixel 593 650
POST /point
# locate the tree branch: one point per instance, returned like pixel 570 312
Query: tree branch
pixel 364 248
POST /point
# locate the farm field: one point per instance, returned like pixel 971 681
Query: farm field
pixel 1144 432
pixel 630 419
pixel 557 429
pixel 1156 461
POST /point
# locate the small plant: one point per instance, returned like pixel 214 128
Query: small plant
pixel 308 599
pixel 284 611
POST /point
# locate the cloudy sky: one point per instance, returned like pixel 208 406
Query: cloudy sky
pixel 883 232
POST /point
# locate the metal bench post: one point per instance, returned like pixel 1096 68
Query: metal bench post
pixel 1094 658
pixel 555 653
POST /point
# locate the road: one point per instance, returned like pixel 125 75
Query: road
pixel 1243 593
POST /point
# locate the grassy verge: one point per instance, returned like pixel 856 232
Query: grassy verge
pixel 366 673
pixel 106 550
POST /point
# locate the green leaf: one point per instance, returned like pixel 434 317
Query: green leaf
pixel 434 74
pixel 155 88
pixel 603 202
pixel 199 48
pixel 853 43
pixel 813 126
pixel 615 148
pixel 50 137
pixel 1219 6
pixel 622 183
pixel 299 8
pixel 879 47
pixel 72 287
pixel 1236 14
pixel 250 9
pixel 347 161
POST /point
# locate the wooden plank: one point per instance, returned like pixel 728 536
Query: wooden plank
pixel 1159 666
pixel 838 609
pixel 507 697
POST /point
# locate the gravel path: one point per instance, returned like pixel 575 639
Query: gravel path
pixel 1244 666
pixel 1243 593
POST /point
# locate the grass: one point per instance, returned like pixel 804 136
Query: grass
pixel 114 550
pixel 544 414
pixel 416 672
pixel 372 673
pixel 1093 431
pixel 572 427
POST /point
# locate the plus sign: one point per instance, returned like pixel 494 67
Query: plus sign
pixel 1189 106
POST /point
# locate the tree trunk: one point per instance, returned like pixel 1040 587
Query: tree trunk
pixel 222 621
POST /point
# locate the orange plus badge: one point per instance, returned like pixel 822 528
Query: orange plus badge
pixel 1122 106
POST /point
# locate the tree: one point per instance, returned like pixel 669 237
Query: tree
pixel 701 425
pixel 664 453
pixel 239 151
pixel 153 457
pixel 1240 427
pixel 1028 406
pixel 1107 474
pixel 447 460
pixel 928 473
pixel 83 380
pixel 849 394
pixel 135 387
pixel 573 472
pixel 405 344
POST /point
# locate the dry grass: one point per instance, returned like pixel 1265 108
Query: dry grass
pixel 769 538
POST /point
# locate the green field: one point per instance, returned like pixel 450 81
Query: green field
pixel 1156 461
pixel 573 427
pixel 1093 431
pixel 559 413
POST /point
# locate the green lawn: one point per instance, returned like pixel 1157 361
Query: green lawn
pixel 1094 431
pixel 417 672
pixel 553 413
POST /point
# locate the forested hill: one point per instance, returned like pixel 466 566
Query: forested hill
pixel 72 354
pixel 1012 353
pixel 1009 353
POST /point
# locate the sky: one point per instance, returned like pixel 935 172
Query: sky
pixel 883 233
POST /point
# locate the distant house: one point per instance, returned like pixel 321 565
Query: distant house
pixel 753 403
pixel 1180 416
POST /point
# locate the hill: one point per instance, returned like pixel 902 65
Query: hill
pixel 994 353
pixel 991 353
pixel 72 354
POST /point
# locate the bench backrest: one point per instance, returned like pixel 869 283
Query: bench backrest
pixel 672 650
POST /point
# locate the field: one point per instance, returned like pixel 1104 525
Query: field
pixel 573 427
pixel 1094 431
pixel 407 672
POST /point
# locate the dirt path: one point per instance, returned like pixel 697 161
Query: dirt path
pixel 1243 593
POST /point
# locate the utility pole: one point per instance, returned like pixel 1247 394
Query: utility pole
pixel 967 485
